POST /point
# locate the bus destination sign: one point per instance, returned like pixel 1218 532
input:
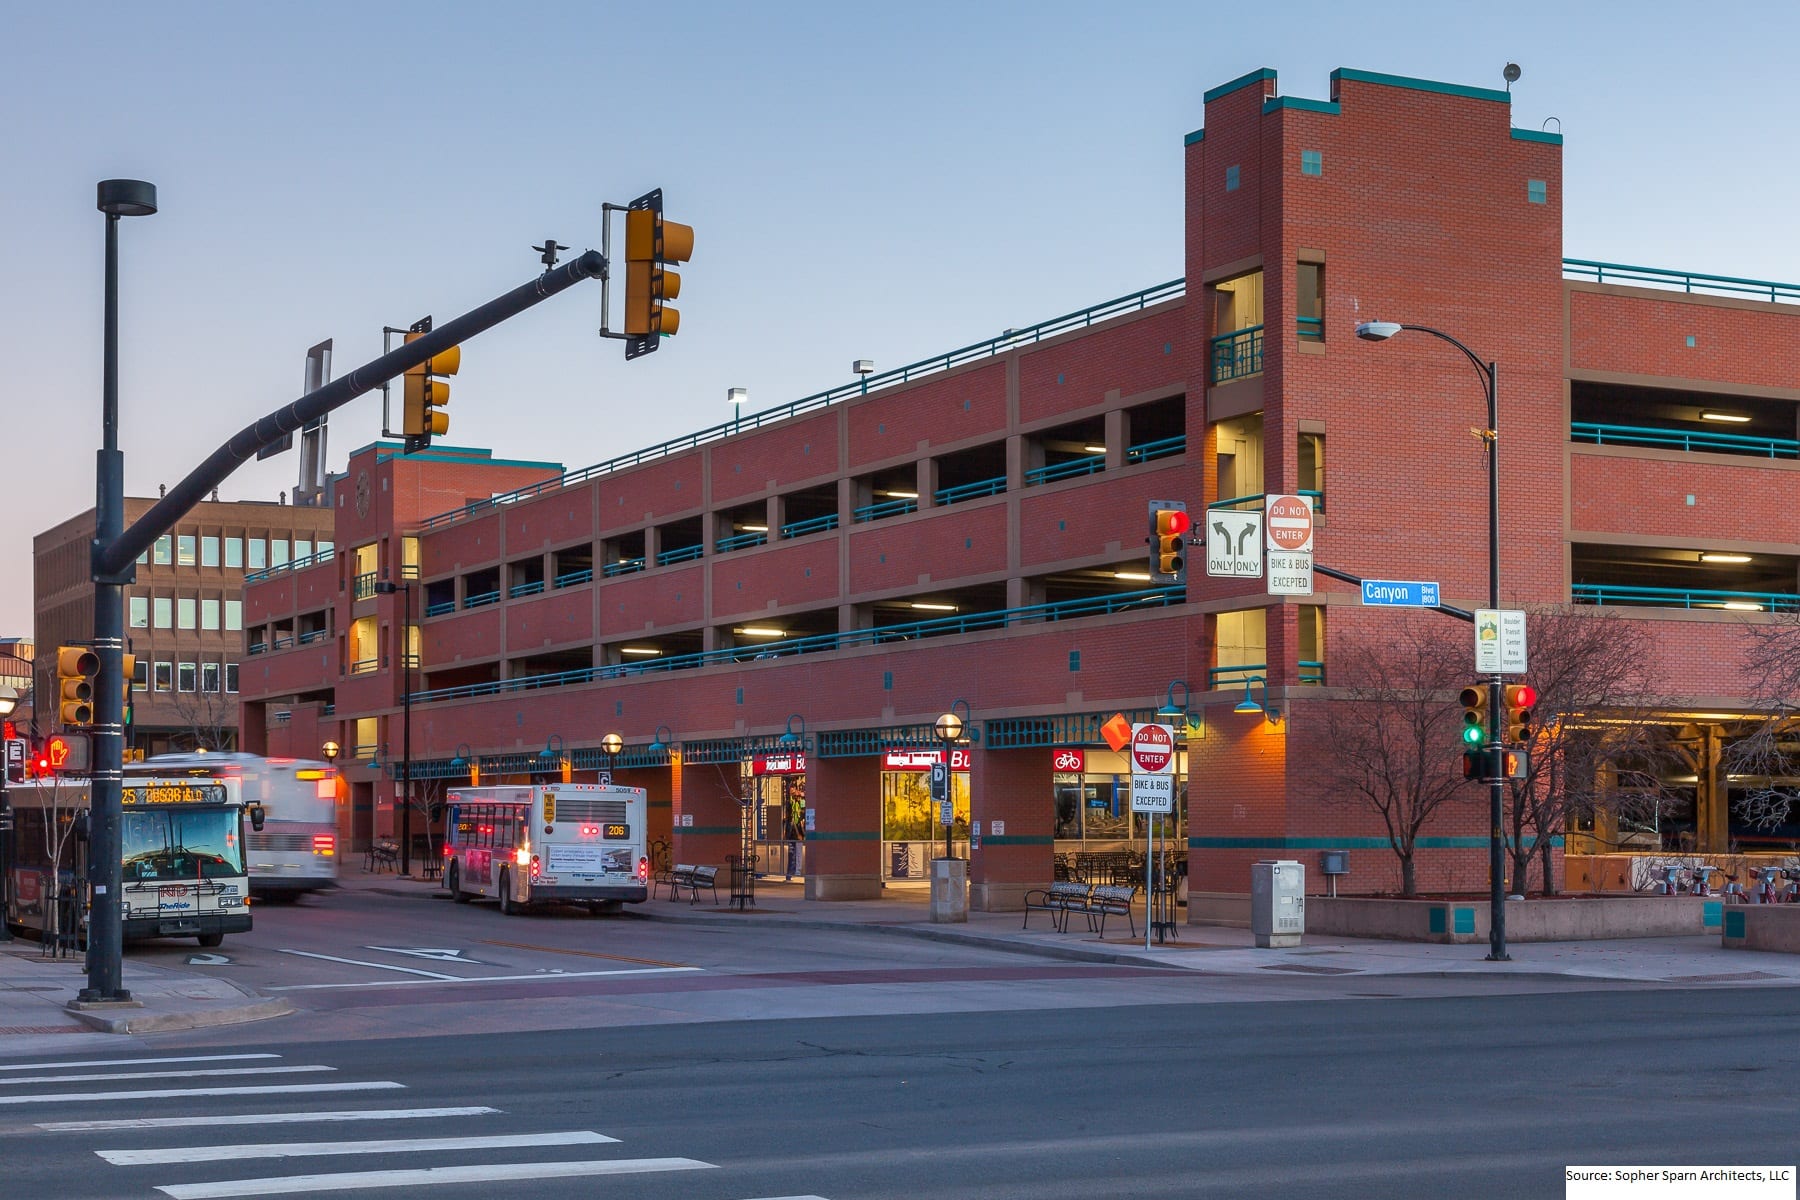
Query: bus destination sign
pixel 174 793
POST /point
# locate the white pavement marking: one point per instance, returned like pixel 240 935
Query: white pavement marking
pixel 506 1141
pixel 289 1118
pixel 285 1089
pixel 131 1062
pixel 421 952
pixel 808 1196
pixel 425 1177
pixel 163 1074
pixel 357 962
pixel 545 978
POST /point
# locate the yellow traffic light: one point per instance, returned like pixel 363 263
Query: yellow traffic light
pixel 650 244
pixel 1169 525
pixel 425 394
pixel 76 667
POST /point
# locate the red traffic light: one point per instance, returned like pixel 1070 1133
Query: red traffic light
pixel 1172 521
pixel 1521 695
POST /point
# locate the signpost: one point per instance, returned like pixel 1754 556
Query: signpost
pixel 1500 641
pixel 1400 593
pixel 940 792
pixel 1290 541
pixel 1234 544
pixel 1152 792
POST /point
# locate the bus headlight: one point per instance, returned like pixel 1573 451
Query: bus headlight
pixel 522 856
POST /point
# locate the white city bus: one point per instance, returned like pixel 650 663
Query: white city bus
pixel 583 843
pixel 296 850
pixel 181 858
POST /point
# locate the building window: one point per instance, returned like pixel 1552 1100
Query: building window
pixel 367 734
pixel 140 675
pixel 144 557
pixel 184 549
pixel 209 613
pixel 234 553
pixel 231 678
pixel 165 676
pixel 185 674
pixel 324 546
pixel 278 552
pixel 1310 466
pixel 234 615
pixel 1241 646
pixel 164 609
pixel 409 557
pixel 1231 179
pixel 302 548
pixel 184 612
pixel 159 554
pixel 1537 191
pixel 1311 163
pixel 1309 301
pixel 209 551
pixel 209 677
pixel 1312 643
pixel 140 612
pixel 258 555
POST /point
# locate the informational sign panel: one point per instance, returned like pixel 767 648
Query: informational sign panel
pixel 1290 542
pixel 1500 641
pixel 15 760
pixel 1400 593
pixel 1152 768
pixel 1234 544
pixel 940 792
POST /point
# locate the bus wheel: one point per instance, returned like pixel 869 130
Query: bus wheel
pixel 453 884
pixel 210 940
pixel 507 907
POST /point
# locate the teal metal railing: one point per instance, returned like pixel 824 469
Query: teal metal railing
pixel 1661 597
pixel 883 508
pixel 680 554
pixel 961 623
pixel 296 564
pixel 533 588
pixel 1220 676
pixel 794 529
pixel 624 566
pixel 574 578
pixel 1160 448
pixel 741 541
pixel 970 491
pixel 1066 470
pixel 1682 281
pixel 1237 354
pixel 440 608
pixel 482 599
pixel 1310 329
pixel 364 585
pixel 1683 439
pixel 1258 499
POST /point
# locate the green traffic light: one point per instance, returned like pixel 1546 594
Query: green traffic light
pixel 1473 735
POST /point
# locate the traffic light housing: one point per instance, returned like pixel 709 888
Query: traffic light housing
pixel 1520 699
pixel 1169 525
pixel 1475 716
pixel 76 667
pixel 127 670
pixel 424 393
pixel 651 243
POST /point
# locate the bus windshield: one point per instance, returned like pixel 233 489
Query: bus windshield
pixel 182 844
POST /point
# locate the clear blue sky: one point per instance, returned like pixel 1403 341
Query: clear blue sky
pixel 864 183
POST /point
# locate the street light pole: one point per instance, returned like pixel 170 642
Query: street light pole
pixel 1380 331
pixel 406 672
pixel 9 699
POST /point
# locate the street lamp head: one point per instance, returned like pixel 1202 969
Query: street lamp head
pixel 949 727
pixel 9 699
pixel 330 750
pixel 662 740
pixel 126 197
pixel 612 743
pixel 737 396
pixel 1378 331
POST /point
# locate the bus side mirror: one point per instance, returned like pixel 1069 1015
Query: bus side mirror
pixel 258 814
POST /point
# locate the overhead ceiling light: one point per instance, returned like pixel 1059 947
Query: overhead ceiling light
pixel 640 651
pixel 1741 606
pixel 754 528
pixel 900 495
pixel 1095 449
pixel 760 631
pixel 1709 556
pixel 1142 576
pixel 1730 418
pixel 934 607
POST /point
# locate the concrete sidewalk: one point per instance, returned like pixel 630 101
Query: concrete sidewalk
pixel 36 992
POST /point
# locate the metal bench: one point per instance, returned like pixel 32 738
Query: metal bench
pixel 383 856
pixel 1108 901
pixel 693 879
pixel 1059 900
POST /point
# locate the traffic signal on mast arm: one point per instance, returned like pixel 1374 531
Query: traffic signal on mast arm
pixel 1520 699
pixel 1169 525
pixel 127 671
pixel 650 244
pixel 424 393
pixel 76 667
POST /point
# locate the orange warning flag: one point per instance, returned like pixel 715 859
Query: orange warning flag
pixel 1117 732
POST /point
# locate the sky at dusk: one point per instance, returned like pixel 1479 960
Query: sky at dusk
pixel 865 182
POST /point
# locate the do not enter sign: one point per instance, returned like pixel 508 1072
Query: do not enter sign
pixel 1152 749
pixel 1290 523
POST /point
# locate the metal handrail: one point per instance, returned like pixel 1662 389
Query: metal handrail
pixel 680 554
pixel 440 608
pixel 884 508
pixel 625 566
pixel 482 599
pixel 1237 354
pixel 1685 439
pixel 1661 597
pixel 938 626
pixel 794 529
pixel 741 541
pixel 364 585
pixel 1217 675
pixel 1685 281
pixel 293 564
pixel 574 578
pixel 532 587
pixel 1160 448
pixel 1066 470
pixel 970 491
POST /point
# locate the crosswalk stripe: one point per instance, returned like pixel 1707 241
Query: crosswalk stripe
pixel 288 1118
pixel 509 1141
pixel 216 1071
pixel 445 980
pixel 357 962
pixel 285 1089
pixel 425 1177
pixel 131 1062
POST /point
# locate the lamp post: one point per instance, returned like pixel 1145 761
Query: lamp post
pixel 612 743
pixel 950 728
pixel 116 198
pixel 1381 331
pixel 387 587
pixel 9 700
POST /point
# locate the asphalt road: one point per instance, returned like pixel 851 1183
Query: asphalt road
pixel 1435 1097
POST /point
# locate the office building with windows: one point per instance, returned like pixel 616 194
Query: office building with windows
pixel 773 614
pixel 183 613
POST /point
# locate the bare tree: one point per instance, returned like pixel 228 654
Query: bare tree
pixel 1597 742
pixel 210 717
pixel 1394 732
pixel 1767 754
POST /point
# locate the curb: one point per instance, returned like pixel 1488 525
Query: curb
pixel 141 1022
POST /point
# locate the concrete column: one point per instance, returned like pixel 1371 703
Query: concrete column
pixel 1118 434
pixel 843 849
pixel 1012 787
pixel 1712 816
pixel 706 793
